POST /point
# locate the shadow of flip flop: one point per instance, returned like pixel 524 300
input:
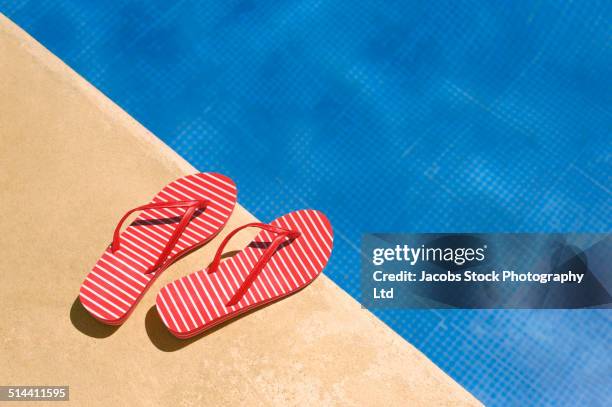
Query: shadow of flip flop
pixel 87 324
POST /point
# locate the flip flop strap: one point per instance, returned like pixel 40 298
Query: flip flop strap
pixel 263 260
pixel 191 205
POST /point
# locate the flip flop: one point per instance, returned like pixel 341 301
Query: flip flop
pixel 185 215
pixel 286 256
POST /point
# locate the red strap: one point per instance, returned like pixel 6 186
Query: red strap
pixel 263 260
pixel 192 206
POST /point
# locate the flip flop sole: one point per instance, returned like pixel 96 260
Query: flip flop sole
pixel 195 303
pixel 118 281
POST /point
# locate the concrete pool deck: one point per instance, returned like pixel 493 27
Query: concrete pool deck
pixel 72 163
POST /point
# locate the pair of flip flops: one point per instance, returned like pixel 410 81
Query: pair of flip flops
pixel 286 255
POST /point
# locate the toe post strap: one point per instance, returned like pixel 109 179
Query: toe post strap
pixel 282 235
pixel 191 207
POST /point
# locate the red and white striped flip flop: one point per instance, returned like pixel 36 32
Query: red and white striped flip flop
pixel 286 256
pixel 185 215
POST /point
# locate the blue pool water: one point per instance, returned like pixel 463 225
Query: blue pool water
pixel 388 116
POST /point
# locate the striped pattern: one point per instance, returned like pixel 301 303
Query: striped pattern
pixel 196 302
pixel 117 281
